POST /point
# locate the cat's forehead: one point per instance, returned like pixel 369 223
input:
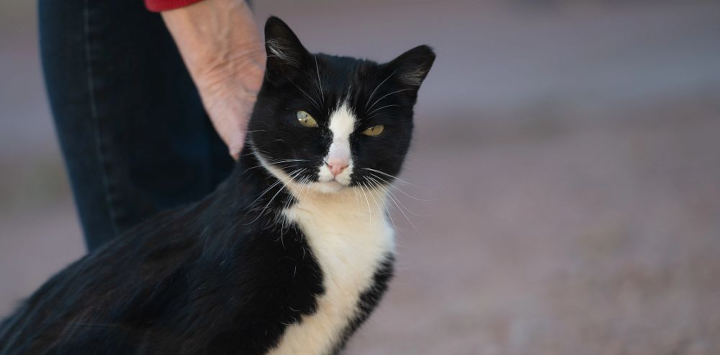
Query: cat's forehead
pixel 343 74
pixel 341 66
pixel 342 80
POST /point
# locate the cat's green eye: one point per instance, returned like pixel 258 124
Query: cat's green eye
pixel 305 119
pixel 374 131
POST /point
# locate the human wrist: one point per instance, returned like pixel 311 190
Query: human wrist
pixel 241 74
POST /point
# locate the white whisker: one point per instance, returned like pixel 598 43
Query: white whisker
pixel 399 189
pixel 369 115
pixel 405 207
pixel 362 189
pixel 250 206
pixel 384 205
pixel 322 94
pixel 401 210
pixel 393 177
pixel 377 87
pixel 308 96
pixel 372 196
pixel 386 95
pixel 282 187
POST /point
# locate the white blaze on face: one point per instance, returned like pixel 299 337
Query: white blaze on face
pixel 342 124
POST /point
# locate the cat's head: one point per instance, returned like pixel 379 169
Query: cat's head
pixel 334 122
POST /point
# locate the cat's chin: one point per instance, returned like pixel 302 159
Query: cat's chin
pixel 328 187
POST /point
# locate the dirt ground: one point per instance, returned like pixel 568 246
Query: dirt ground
pixel 562 194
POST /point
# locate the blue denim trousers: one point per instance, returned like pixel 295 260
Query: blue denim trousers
pixel 132 129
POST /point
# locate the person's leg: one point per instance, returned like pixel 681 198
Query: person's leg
pixel 131 125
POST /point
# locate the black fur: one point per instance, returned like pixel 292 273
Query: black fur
pixel 195 280
pixel 224 275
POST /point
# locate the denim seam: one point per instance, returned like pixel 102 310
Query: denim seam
pixel 94 118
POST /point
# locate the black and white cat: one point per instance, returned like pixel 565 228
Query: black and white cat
pixel 288 256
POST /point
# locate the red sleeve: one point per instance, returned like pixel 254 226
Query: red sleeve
pixel 162 5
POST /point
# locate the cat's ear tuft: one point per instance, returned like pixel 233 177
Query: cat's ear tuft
pixel 283 48
pixel 412 67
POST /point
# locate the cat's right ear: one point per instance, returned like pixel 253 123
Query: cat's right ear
pixel 412 67
pixel 285 53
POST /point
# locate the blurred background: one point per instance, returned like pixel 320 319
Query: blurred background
pixel 565 193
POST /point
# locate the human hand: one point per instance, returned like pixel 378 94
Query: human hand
pixel 221 47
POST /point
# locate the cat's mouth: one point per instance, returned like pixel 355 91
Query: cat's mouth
pixel 329 186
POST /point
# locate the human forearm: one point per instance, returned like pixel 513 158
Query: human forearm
pixel 222 50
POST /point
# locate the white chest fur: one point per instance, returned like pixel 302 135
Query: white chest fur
pixel 350 237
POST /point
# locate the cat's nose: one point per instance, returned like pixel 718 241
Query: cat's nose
pixel 337 166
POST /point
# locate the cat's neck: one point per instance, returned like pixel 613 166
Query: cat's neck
pixel 350 203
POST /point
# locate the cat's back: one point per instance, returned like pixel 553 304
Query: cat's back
pixel 105 297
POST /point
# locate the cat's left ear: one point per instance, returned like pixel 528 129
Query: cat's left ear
pixel 285 53
pixel 411 67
